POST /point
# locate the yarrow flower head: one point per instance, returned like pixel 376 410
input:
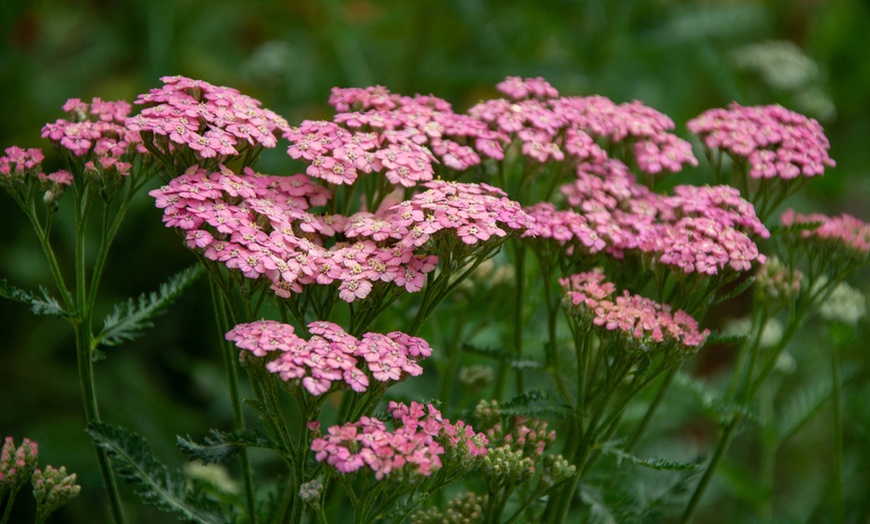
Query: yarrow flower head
pixel 642 324
pixel 844 233
pixel 414 448
pixel 331 356
pixel 211 121
pixel 776 142
pixel 21 169
pixel 775 282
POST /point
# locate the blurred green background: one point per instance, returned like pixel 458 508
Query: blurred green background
pixel 678 57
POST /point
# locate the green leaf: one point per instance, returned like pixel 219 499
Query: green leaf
pixel 129 319
pixel 534 402
pixel 611 448
pixel 166 489
pixel 220 446
pixel 599 512
pixel 736 291
pixel 47 305
pixel 718 337
pixel 717 408
pixel 503 355
pixel 806 403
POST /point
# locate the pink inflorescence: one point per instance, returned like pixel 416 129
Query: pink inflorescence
pixel 844 231
pixel 264 226
pixel 98 128
pixel 402 136
pixel 212 121
pixel 19 165
pixel 655 148
pixel 331 355
pixel 643 321
pixel 776 142
pixel 415 447
pixel 696 230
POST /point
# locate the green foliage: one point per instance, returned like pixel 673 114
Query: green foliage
pixel 155 483
pixel 613 449
pixel 713 403
pixel 536 402
pixel 44 305
pixel 131 318
pixel 220 446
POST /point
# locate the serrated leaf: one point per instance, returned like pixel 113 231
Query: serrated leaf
pixel 166 489
pixel 737 291
pixel 718 337
pixel 130 318
pixel 717 408
pixel 613 449
pixel 599 512
pixel 534 402
pixel 503 355
pixel 220 446
pixel 805 404
pixel 47 305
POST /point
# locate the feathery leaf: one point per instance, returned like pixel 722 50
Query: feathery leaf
pixel 130 318
pixel 220 446
pixel 47 305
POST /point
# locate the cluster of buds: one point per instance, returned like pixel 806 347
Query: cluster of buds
pixel 16 464
pixel 465 508
pixel 777 283
pixel 52 489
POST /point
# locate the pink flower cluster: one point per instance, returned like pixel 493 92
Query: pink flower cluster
pixel 331 355
pixel 98 128
pixel 264 226
pixel 212 121
pixel 415 447
pixel 697 229
pixel 338 155
pixel 843 231
pixel 519 88
pixel 776 142
pixel 643 322
pixel 20 164
pixel 17 464
pixel 409 134
pixel 655 148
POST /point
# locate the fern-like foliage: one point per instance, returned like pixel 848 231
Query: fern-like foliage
pixel 535 402
pixel 613 448
pixel 803 405
pixel 502 355
pixel 717 408
pixel 164 488
pixel 736 291
pixel 44 305
pixel 130 318
pixel 220 446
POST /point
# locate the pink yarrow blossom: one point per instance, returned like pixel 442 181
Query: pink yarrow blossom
pixel 415 448
pixel 776 142
pixel 642 323
pixel 331 355
pixel 845 231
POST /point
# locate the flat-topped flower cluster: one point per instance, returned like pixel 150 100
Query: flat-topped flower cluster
pixel 421 438
pixel 643 322
pixel 331 355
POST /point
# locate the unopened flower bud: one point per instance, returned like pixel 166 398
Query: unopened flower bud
pixel 52 489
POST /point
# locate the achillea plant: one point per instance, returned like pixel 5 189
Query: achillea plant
pixel 336 288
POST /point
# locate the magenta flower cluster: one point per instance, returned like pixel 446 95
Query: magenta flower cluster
pixel 415 447
pixel 99 129
pixel 776 142
pixel 642 321
pixel 331 355
pixel 264 226
pixel 211 121
pixel 695 230
pixel 844 231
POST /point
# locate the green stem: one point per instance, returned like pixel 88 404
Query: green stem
pixel 721 449
pixel 235 399
pixel 838 503
pixel 8 510
pixel 653 408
